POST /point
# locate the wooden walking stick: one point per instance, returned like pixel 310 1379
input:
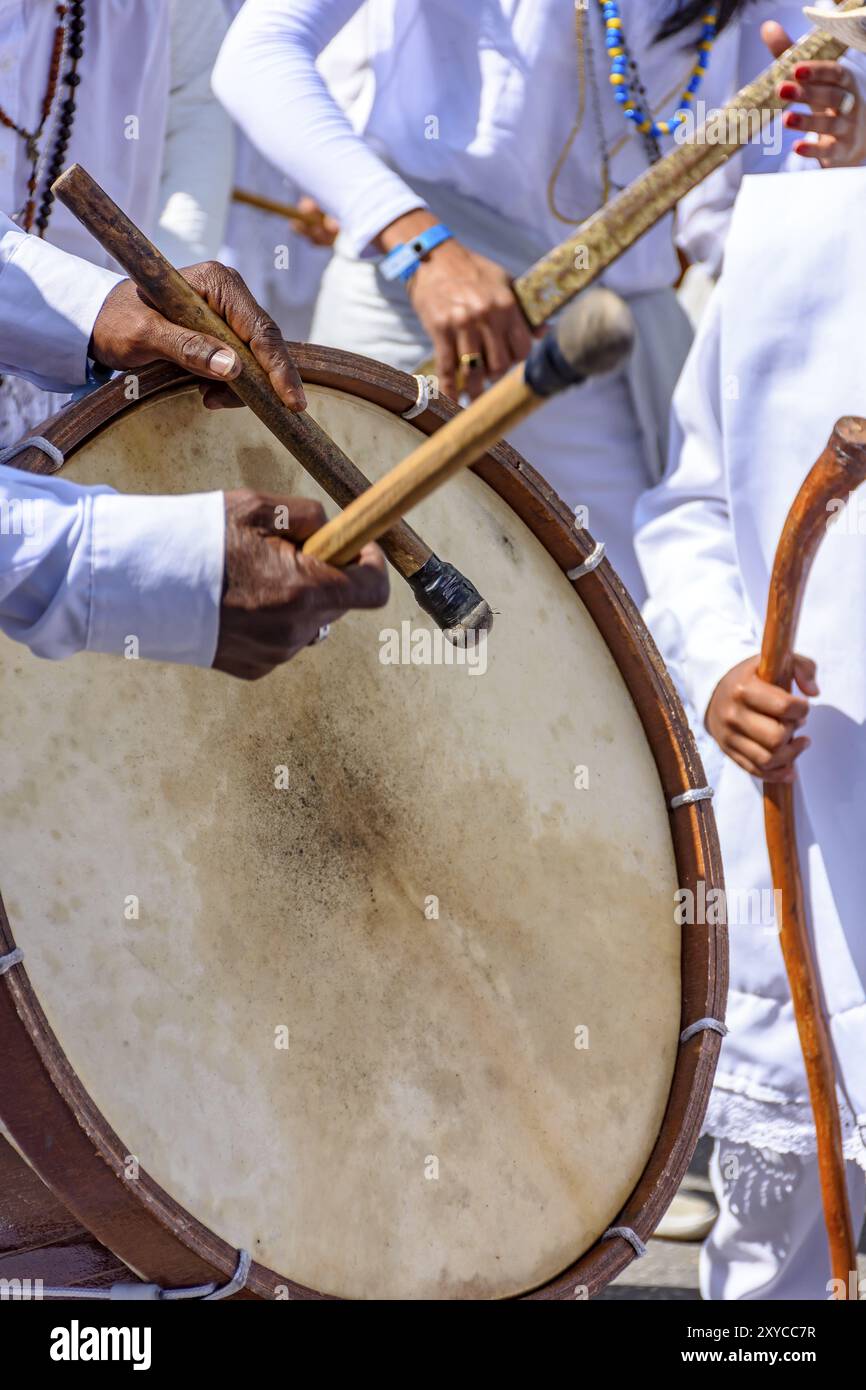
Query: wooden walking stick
pixel 840 469
pixel 441 590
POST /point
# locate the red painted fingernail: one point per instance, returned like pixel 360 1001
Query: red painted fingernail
pixel 802 73
pixel 787 91
pixel 792 120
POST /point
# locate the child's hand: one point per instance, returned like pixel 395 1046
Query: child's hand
pixel 756 724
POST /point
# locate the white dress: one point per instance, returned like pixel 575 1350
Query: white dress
pixel 283 269
pixel 776 363
pixel 145 126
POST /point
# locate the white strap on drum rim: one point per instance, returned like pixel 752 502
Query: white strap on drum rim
pixel 210 1293
pixel 153 1293
pixel 626 1233
pixel 592 563
pixel 692 797
pixel 37 441
pixel 704 1025
pixel 12 958
pixel 422 400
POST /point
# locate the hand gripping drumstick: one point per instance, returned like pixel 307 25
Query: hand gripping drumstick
pixel 841 469
pixel 595 336
pixel 450 599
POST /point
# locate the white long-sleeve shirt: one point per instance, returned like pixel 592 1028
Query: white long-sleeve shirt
pixel 84 568
pixel 478 98
pixel 48 305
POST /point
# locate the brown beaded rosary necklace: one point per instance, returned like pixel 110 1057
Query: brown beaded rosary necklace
pixel 74 49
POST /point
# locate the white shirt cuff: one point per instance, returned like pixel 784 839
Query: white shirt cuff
pixel 54 300
pixel 157 577
pixel 358 230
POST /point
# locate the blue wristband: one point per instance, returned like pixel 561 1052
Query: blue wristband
pixel 403 261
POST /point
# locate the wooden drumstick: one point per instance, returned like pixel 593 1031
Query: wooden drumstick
pixel 289 211
pixel 441 590
pixel 841 469
pixel 594 336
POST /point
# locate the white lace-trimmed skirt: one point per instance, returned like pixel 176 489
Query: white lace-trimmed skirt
pixel 767 1120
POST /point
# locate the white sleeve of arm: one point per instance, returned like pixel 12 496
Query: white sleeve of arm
pixel 267 79
pixel 89 569
pixel 49 302
pixel 199 147
pixel 685 542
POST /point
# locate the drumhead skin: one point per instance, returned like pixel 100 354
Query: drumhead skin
pixel 372 967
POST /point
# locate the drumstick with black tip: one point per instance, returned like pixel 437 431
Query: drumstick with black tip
pixel 441 590
pixel 594 336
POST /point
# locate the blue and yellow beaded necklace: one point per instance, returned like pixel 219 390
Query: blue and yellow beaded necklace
pixel 624 74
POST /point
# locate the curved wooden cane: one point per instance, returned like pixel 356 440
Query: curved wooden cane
pixel 839 470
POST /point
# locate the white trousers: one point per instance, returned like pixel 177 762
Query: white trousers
pixel 770 1241
pixel 591 445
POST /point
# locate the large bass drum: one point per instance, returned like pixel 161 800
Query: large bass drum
pixel 373 969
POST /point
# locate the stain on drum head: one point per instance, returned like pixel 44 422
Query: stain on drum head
pixel 431 1129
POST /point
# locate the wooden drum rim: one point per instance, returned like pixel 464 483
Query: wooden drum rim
pixel 46 1109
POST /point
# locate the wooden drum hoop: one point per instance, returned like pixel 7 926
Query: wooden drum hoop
pixel 48 1113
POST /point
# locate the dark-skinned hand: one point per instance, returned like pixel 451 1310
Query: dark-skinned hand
pixel 130 333
pixel 275 598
